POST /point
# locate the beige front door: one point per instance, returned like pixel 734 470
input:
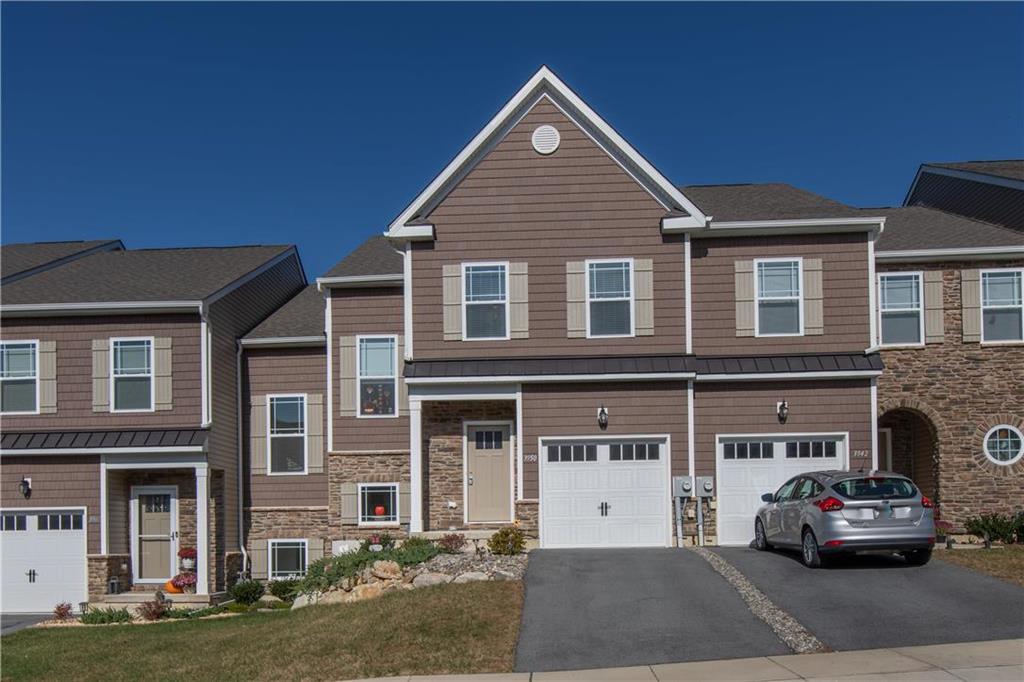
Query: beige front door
pixel 488 473
pixel 154 530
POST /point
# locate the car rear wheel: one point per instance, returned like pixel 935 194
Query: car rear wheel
pixel 760 539
pixel 809 550
pixel 918 557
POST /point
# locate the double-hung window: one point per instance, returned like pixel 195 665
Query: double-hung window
pixel 132 375
pixel 610 298
pixel 485 305
pixel 378 378
pixel 19 377
pixel 779 297
pixel 899 296
pixel 287 437
pixel 378 503
pixel 287 558
pixel 1002 307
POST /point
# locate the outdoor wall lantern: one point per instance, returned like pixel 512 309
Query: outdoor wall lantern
pixel 25 487
pixel 783 411
pixel 602 417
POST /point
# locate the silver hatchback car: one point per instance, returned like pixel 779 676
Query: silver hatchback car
pixel 831 512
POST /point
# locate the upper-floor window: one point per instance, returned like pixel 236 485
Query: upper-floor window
pixel 19 377
pixel 485 303
pixel 132 375
pixel 1002 307
pixel 901 308
pixel 377 378
pixel 287 437
pixel 610 298
pixel 779 297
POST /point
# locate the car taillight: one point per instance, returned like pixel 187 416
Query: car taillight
pixel 926 502
pixel 829 504
pixel 834 543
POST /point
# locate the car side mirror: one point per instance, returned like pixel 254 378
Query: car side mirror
pixel 768 497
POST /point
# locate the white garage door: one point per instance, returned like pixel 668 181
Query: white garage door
pixel 611 493
pixel 749 466
pixel 42 559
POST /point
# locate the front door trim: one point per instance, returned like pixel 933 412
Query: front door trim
pixel 513 448
pixel 133 528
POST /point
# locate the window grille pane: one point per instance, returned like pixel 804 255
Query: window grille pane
pixel 791 450
pixel 778 317
pixel 132 393
pixel 767 450
pixel 805 448
pixel 609 318
pixel 1004 445
pixel 830 448
pixel 379 504
pixel 591 453
pixel 627 451
pixel 131 357
pixel 1002 324
pixel 902 327
pixel 485 283
pixel 817 449
pixel 640 451
pixel 729 450
pixel 577 453
pixel 741 451
pixel 377 397
pixel 566 452
pixel 901 292
pixel 18 360
pixel 287 415
pixel 1001 289
pixel 287 559
pixel 653 450
pixel 755 450
pixel 287 454
pixel 779 280
pixel 615 452
pixel 377 357
pixel 552 453
pixel 485 321
pixel 18 395
pixel 610 280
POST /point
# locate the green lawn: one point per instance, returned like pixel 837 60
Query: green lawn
pixel 1005 562
pixel 448 629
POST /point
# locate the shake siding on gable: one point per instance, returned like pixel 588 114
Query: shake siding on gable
pixel 284 370
pixel 845 287
pixel 367 311
pixel 574 204
pixel 73 337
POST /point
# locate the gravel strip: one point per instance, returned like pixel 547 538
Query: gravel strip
pixel 792 633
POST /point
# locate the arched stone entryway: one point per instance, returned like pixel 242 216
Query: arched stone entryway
pixel 909 441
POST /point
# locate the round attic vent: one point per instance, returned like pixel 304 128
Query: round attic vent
pixel 546 139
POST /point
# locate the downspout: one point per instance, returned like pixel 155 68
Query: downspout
pixel 241 468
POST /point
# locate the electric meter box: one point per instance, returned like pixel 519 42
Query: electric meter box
pixel 682 486
pixel 705 486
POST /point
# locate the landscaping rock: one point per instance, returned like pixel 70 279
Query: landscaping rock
pixel 304 600
pixel 471 576
pixel 502 575
pixel 269 599
pixel 362 592
pixel 386 570
pixel 431 579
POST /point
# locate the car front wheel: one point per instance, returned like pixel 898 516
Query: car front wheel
pixel 809 550
pixel 760 539
pixel 918 557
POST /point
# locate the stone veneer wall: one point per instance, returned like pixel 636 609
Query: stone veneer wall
pixel 103 567
pixel 382 467
pixel 528 517
pixel 962 390
pixel 265 523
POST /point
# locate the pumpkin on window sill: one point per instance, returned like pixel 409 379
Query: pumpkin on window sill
pixel 379 510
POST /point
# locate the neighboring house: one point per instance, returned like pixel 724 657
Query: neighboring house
pixel 119 415
pixel 992 191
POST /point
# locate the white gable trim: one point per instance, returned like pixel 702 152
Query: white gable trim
pixel 546 79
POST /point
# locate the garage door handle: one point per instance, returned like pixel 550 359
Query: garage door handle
pixel 469 480
pixel 31 573
pixel 603 508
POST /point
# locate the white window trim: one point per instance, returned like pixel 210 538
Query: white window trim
pixel 305 434
pixel 465 303
pixel 981 305
pixel 632 297
pixel 378 524
pixel 151 375
pixel 1000 462
pixel 920 309
pixel 757 295
pixel 35 349
pixel 359 376
pixel 270 557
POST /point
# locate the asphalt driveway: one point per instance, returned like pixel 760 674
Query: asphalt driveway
pixel 12 622
pixel 613 608
pixel 878 601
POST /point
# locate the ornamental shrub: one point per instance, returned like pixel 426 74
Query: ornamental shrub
pixel 62 611
pixel 285 590
pixel 153 610
pixel 386 542
pixel 106 616
pixel 331 570
pixel 414 551
pixel 998 527
pixel 247 591
pixel 452 543
pixel 507 541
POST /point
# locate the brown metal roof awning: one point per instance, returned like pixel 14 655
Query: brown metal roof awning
pixel 123 441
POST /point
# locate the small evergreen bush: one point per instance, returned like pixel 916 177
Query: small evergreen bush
pixel 285 590
pixel 106 616
pixel 507 541
pixel 247 591
pixel 997 527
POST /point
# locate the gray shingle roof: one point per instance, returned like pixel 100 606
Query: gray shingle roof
pixel 375 256
pixel 303 315
pixel 766 201
pixel 916 227
pixel 21 259
pixel 142 275
pixel 1006 168
pixel 149 438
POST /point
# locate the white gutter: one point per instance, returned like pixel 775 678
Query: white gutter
pixel 966 253
pixel 806 222
pixel 241 468
pixel 277 341
pixel 92 308
pixel 547 378
pixel 360 281
pixel 801 376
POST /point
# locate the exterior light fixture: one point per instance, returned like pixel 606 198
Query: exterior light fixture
pixel 782 409
pixel 602 417
pixel 25 487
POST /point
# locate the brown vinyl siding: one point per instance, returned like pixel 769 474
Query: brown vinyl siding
pixel 366 311
pixel 58 481
pixel 647 408
pixel 118 541
pixel 73 337
pixel 518 205
pixel 814 407
pixel 845 287
pixel 284 370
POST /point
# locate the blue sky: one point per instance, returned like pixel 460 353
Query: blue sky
pixel 177 124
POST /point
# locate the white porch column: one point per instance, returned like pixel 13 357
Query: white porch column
pixel 415 465
pixel 202 529
pixel 103 505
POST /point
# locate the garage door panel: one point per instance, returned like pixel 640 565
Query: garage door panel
pixel 54 557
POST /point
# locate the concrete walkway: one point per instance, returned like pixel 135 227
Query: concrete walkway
pixel 973 661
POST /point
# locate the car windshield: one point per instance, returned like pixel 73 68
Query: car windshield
pixel 875 488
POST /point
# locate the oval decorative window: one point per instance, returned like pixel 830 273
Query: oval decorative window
pixel 1004 444
pixel 546 139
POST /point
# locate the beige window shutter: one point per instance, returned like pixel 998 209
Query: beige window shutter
pixel 315 433
pixel 934 307
pixel 452 285
pixel 643 296
pixel 259 562
pixel 970 304
pixel 162 373
pixel 47 367
pixel 347 376
pixel 101 375
pixel 403 389
pixel 349 503
pixel 518 301
pixel 814 303
pixel 258 435
pixel 404 502
pixel 314 550
pixel 745 306
pixel 576 299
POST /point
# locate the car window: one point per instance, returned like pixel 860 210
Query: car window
pixel 786 490
pixel 805 489
pixel 876 488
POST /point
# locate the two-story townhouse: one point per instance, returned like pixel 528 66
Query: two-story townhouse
pixel 120 418
pixel 990 191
